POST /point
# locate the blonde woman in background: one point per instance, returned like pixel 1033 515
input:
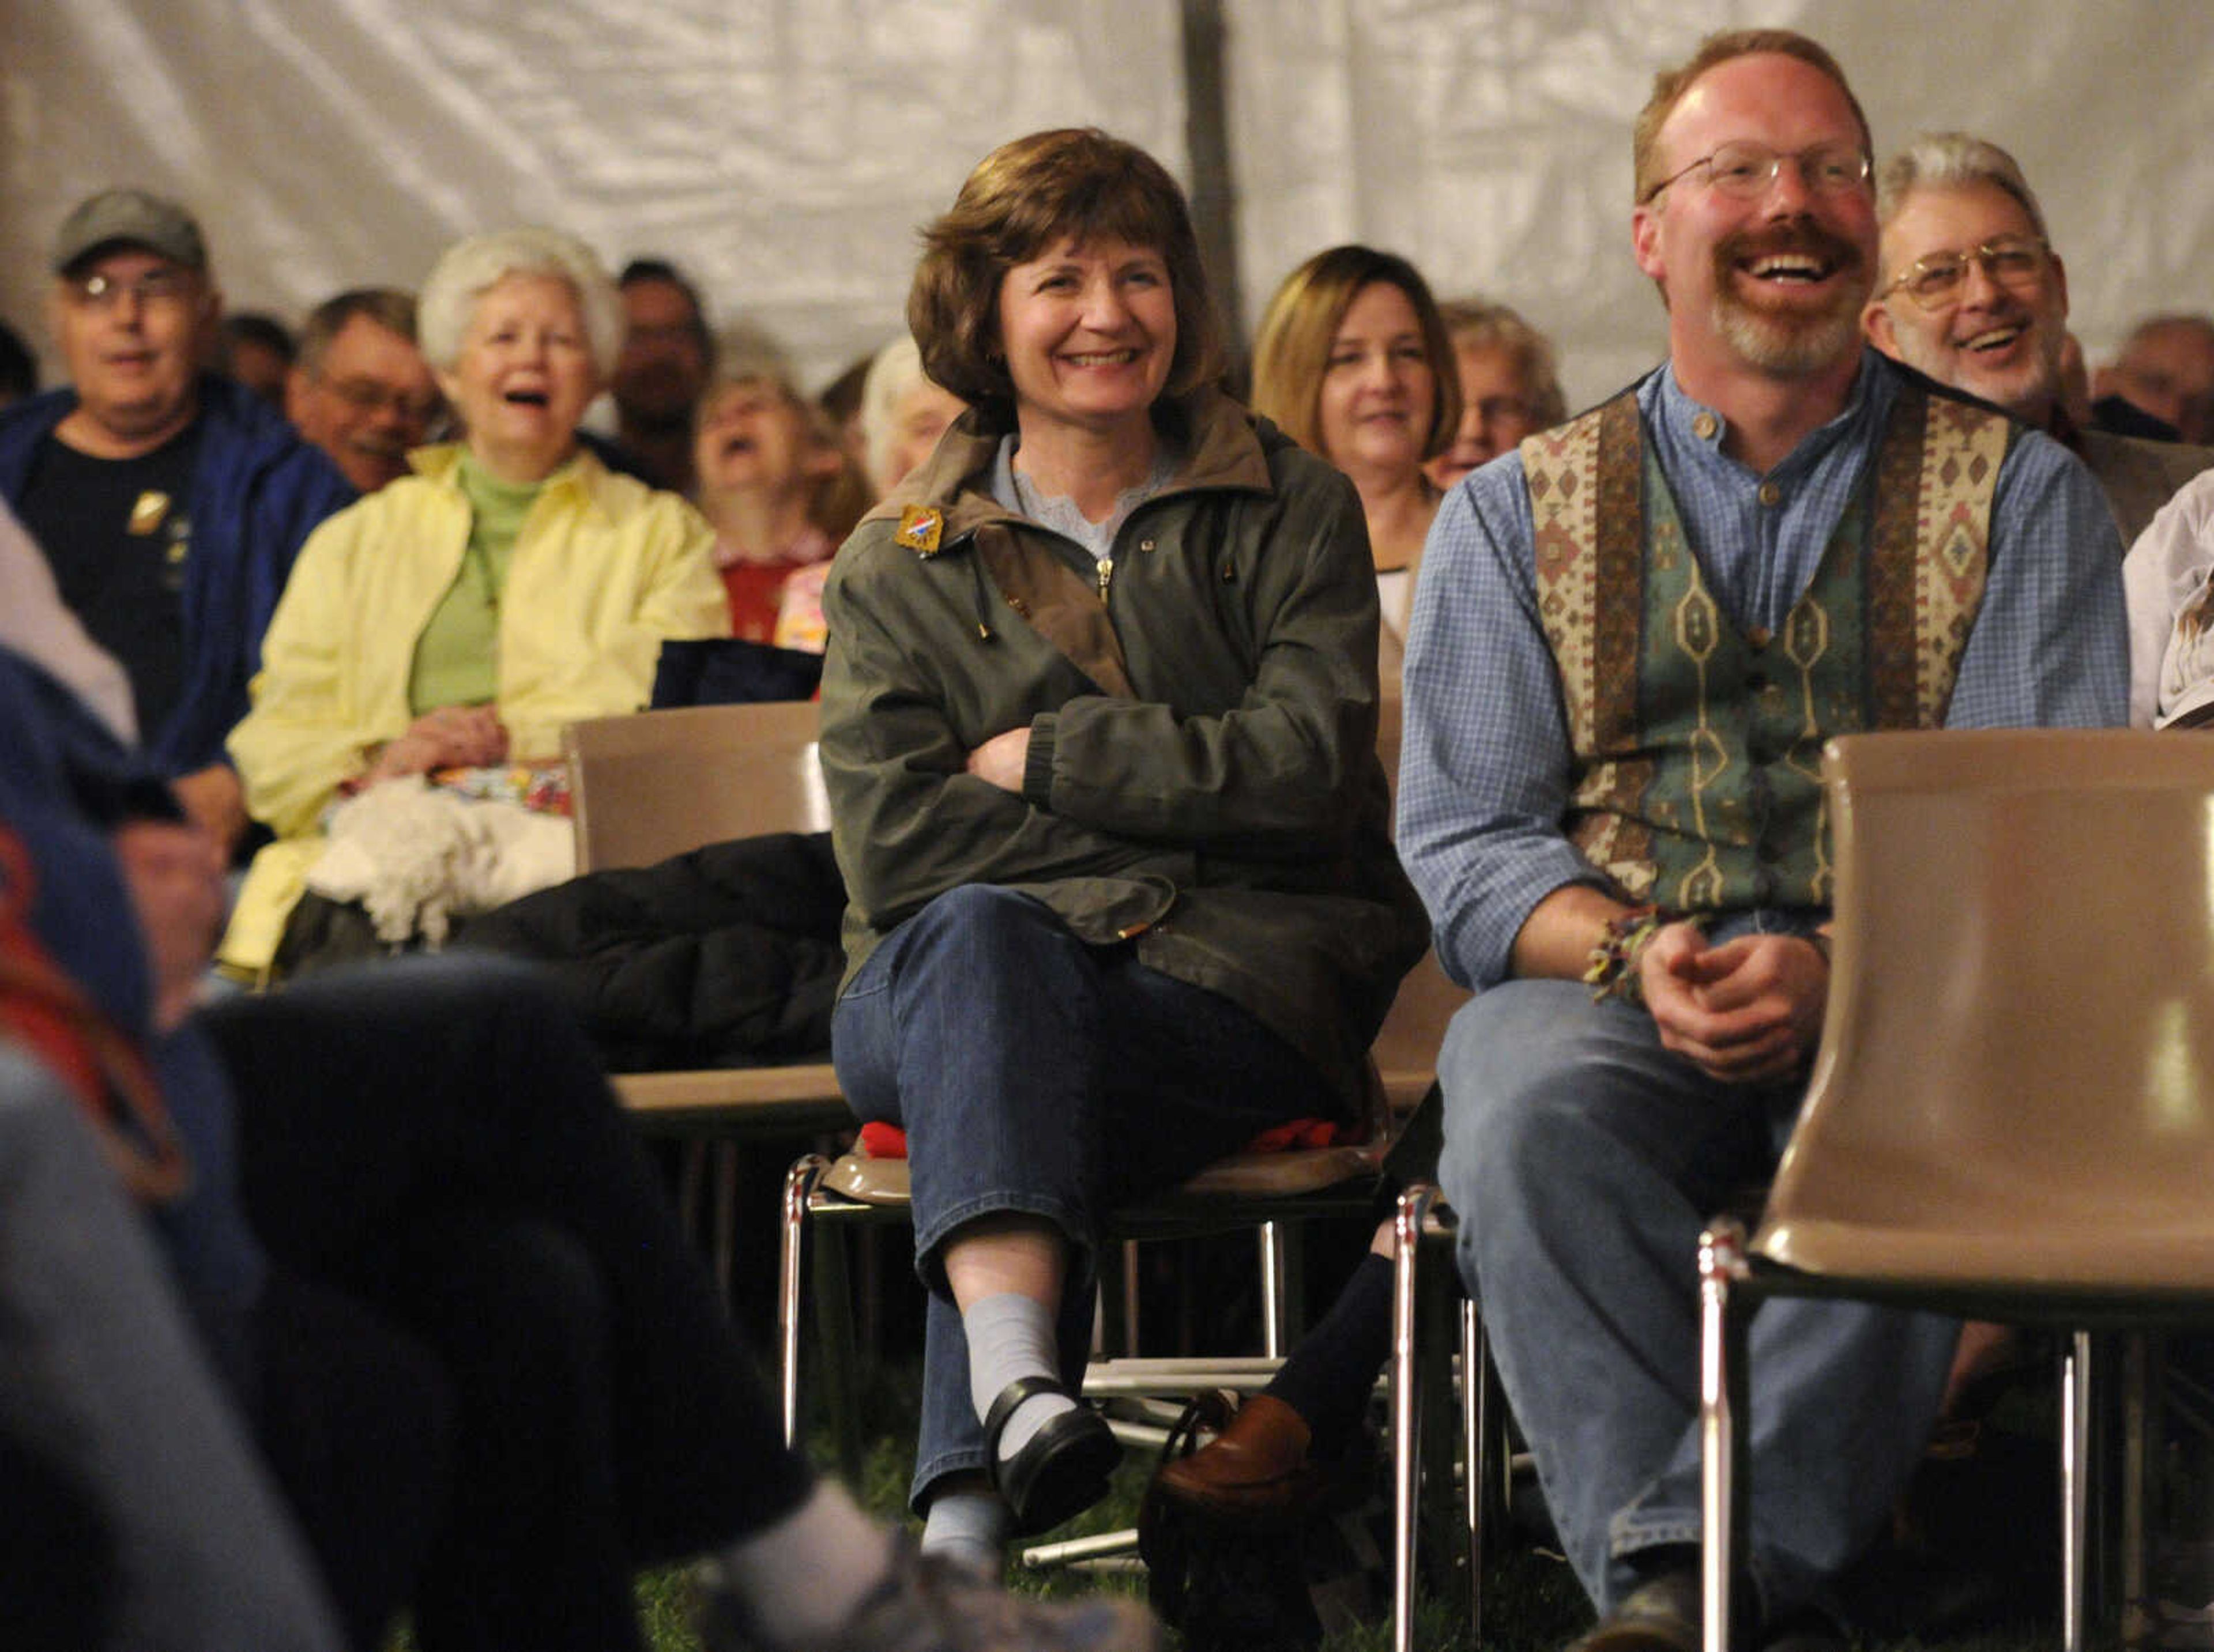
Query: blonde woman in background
pixel 1288 1448
pixel 1352 362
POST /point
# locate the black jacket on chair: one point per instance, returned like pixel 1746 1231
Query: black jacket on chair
pixel 726 956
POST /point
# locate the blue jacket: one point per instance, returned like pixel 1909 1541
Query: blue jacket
pixel 257 491
pixel 65 785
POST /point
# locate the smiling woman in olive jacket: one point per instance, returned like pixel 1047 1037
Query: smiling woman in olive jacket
pixel 1098 724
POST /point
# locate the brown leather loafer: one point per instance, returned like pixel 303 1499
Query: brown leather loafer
pixel 1256 1471
pixel 1659 1615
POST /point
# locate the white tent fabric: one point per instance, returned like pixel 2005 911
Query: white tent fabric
pixel 783 154
pixel 786 153
pixel 1489 140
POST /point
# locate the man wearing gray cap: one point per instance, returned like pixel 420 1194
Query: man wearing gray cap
pixel 169 501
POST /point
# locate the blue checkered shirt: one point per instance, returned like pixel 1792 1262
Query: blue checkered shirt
pixel 1484 775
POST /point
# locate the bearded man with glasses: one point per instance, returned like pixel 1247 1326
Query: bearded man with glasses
pixel 1973 295
pixel 361 390
pixel 1609 800
pixel 169 501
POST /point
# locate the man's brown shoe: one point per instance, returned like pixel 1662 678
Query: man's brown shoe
pixel 1256 1471
pixel 1659 1615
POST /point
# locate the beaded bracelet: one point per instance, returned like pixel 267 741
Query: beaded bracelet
pixel 1611 971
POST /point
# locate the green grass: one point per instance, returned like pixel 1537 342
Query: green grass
pixel 1531 1600
pixel 1535 1604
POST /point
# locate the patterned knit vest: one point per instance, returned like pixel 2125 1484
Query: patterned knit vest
pixel 1698 745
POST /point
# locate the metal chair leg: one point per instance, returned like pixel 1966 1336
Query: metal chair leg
pixel 1406 1410
pixel 800 1184
pixel 1118 1303
pixel 839 1375
pixel 2074 1486
pixel 1479 1407
pixel 1275 1313
pixel 1722 1386
pixel 2140 1426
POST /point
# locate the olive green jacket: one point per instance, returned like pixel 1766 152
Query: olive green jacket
pixel 1202 778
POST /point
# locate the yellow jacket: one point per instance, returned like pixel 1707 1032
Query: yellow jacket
pixel 604 570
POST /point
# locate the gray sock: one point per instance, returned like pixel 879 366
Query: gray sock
pixel 805 1575
pixel 1011 1336
pixel 968 1528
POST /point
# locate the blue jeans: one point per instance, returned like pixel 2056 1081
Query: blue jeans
pixel 1034 1073
pixel 1584 1158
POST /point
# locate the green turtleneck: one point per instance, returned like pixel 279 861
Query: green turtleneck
pixel 457 657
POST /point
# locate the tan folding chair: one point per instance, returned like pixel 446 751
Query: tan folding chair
pixel 657 783
pixel 2011 1115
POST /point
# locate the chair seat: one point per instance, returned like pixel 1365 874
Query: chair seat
pixel 866 1180
pixel 717 1099
pixel 2057 1274
pixel 1287 1175
pixel 1405 1088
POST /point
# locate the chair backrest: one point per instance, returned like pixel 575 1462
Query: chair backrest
pixel 1406 1047
pixel 657 783
pixel 2015 1083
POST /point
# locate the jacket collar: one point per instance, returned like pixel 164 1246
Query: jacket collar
pixel 582 479
pixel 1222 441
pixel 1224 449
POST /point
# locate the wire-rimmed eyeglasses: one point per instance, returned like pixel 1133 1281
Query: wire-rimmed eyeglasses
pixel 1935 281
pixel 1746 170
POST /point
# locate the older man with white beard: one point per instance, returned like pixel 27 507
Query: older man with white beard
pixel 1973 295
pixel 1609 800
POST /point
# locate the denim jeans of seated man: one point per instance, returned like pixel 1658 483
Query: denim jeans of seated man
pixel 1037 1074
pixel 1584 1159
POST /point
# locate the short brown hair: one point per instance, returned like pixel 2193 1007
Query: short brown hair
pixel 1670 85
pixel 1024 198
pixel 1291 352
pixel 2185 321
pixel 388 306
pixel 1483 325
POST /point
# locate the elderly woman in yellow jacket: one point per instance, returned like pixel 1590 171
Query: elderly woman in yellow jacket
pixel 461 615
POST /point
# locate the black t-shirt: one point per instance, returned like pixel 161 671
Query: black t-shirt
pixel 117 533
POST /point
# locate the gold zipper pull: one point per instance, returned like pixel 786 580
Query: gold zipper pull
pixel 1106 573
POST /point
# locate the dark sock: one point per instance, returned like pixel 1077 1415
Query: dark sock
pixel 1328 1378
pixel 1662 1560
